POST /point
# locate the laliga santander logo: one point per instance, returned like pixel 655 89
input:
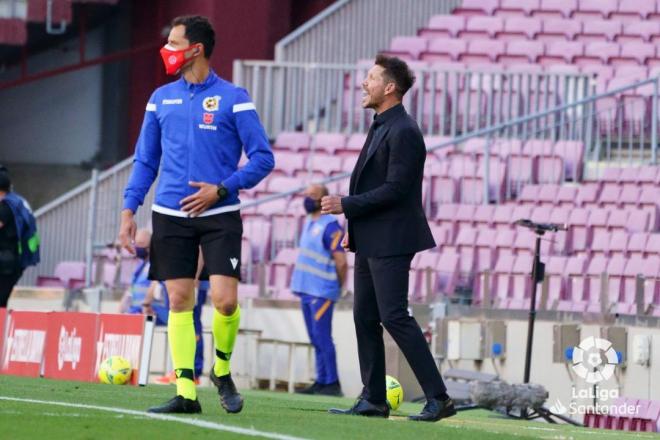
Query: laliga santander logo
pixel 172 59
pixel 68 349
pixel 594 360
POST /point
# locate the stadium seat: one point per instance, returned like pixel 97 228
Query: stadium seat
pixel 517 28
pixel 294 141
pixel 559 29
pixel 555 9
pixel 632 12
pixel 443 26
pixel 516 8
pixel 589 10
pixel 476 7
pixel 481 27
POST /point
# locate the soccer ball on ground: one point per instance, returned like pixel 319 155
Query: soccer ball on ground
pixel 394 393
pixel 115 370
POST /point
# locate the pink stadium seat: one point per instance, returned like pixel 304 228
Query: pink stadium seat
pixel 566 196
pixel 561 51
pixel 578 231
pixel 484 249
pixel 529 194
pixel 284 230
pixel 406 47
pixel 634 53
pixel 639 221
pixel 446 26
pixel 501 278
pixel 521 170
pixel 637 244
pixel 258 231
pixel 476 7
pixel 282 268
pixel 634 11
pixel 550 169
pixel 555 9
pixel 639 31
pixel 329 142
pixel 574 276
pixel 554 274
pixel 447 272
pixel 594 9
pixel 516 8
pixel 647 175
pixel 610 194
pixel 521 283
pixel 598 219
pixel 587 194
pixel 326 164
pixel 630 192
pixel 481 27
pixel 611 174
pixel 599 31
pixel 615 271
pixel 600 243
pixel 504 242
pixel 472 190
pixel 483 51
pixel 465 215
pixel 618 219
pixel 592 284
pixel 502 217
pixel 560 242
pixel 559 29
pixel 618 246
pixel 355 142
pixel 653 245
pixel 289 162
pixel 597 53
pixel 522 51
pixel 281 183
pixel 483 215
pixel 633 72
pixel 443 190
pixel 293 141
pixel 573 154
pixel 444 49
pixel 516 28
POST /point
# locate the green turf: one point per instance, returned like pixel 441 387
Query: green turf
pixel 301 416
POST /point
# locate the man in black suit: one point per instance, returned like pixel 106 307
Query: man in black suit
pixel 386 227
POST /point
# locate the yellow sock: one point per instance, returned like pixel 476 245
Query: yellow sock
pixel 225 329
pixel 181 336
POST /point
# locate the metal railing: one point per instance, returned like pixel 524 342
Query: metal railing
pixel 352 29
pixel 326 97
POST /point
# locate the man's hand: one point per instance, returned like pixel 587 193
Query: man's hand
pixel 147 309
pixel 344 242
pixel 127 231
pixel 199 202
pixel 331 205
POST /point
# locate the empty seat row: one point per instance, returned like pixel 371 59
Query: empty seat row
pixel 538 28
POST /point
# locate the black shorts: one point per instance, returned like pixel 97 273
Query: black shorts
pixel 176 240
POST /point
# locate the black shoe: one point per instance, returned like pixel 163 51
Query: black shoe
pixel 435 410
pixel 178 404
pixel 312 389
pixel 364 408
pixel 331 389
pixel 230 399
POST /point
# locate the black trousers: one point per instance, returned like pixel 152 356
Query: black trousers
pixel 7 283
pixel 381 300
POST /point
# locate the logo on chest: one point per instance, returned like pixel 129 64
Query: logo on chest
pixel 211 103
pixel 208 118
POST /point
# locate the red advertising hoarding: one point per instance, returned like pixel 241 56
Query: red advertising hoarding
pixel 71 346
pixel 24 344
pixel 3 314
pixel 120 335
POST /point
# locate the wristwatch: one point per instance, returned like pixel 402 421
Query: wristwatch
pixel 222 191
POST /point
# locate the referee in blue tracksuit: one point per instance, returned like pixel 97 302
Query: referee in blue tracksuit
pixel 318 277
pixel 194 132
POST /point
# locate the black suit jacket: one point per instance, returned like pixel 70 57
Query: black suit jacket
pixel 384 207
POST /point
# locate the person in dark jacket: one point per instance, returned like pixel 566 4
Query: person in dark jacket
pixel 386 227
pixel 19 242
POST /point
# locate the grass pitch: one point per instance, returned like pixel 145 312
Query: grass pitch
pixel 76 410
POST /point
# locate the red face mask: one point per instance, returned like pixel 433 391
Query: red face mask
pixel 174 59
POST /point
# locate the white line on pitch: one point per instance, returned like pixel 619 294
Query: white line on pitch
pixel 194 422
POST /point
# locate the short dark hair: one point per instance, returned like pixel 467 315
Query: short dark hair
pixel 398 72
pixel 5 181
pixel 198 30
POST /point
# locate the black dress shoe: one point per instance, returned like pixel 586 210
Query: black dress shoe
pixel 364 408
pixel 230 399
pixel 331 389
pixel 435 410
pixel 312 389
pixel 178 405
